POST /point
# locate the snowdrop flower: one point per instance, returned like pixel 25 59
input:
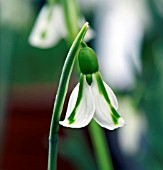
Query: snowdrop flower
pixel 122 30
pixel 50 27
pixel 92 97
pixel 136 127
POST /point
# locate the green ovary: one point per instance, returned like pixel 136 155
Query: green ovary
pixel 88 62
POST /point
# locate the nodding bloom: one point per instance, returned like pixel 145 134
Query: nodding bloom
pixel 92 97
pixel 50 27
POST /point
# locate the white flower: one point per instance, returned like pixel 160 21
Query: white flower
pixel 50 27
pixel 92 98
pixel 136 127
pixel 121 33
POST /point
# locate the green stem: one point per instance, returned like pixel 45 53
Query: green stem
pixel 60 97
pixel 100 147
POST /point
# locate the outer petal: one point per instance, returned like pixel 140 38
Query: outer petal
pixel 111 95
pixel 105 114
pixel 80 116
pixel 49 27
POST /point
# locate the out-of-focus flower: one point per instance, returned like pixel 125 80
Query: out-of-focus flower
pixel 50 27
pixel 92 97
pixel 136 127
pixel 121 32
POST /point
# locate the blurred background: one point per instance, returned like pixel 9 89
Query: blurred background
pixel 128 39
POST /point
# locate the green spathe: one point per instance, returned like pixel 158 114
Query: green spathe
pixel 87 61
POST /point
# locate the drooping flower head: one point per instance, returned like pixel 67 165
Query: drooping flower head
pixel 92 97
pixel 55 22
pixel 49 27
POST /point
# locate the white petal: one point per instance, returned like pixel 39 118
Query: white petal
pixel 103 113
pixel 53 27
pixel 123 39
pixel 85 110
pixel 111 95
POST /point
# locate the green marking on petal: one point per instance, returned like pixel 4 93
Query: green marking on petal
pixel 43 34
pixel 48 17
pixel 115 116
pixel 71 118
pixel 50 12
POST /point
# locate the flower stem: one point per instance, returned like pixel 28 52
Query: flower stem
pixel 60 97
pixel 100 147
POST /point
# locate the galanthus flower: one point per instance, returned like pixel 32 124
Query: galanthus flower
pixel 92 97
pixel 50 27
pixel 123 39
pixel 136 127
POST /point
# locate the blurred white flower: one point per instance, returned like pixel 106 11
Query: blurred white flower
pixel 121 30
pixel 50 27
pixel 130 136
